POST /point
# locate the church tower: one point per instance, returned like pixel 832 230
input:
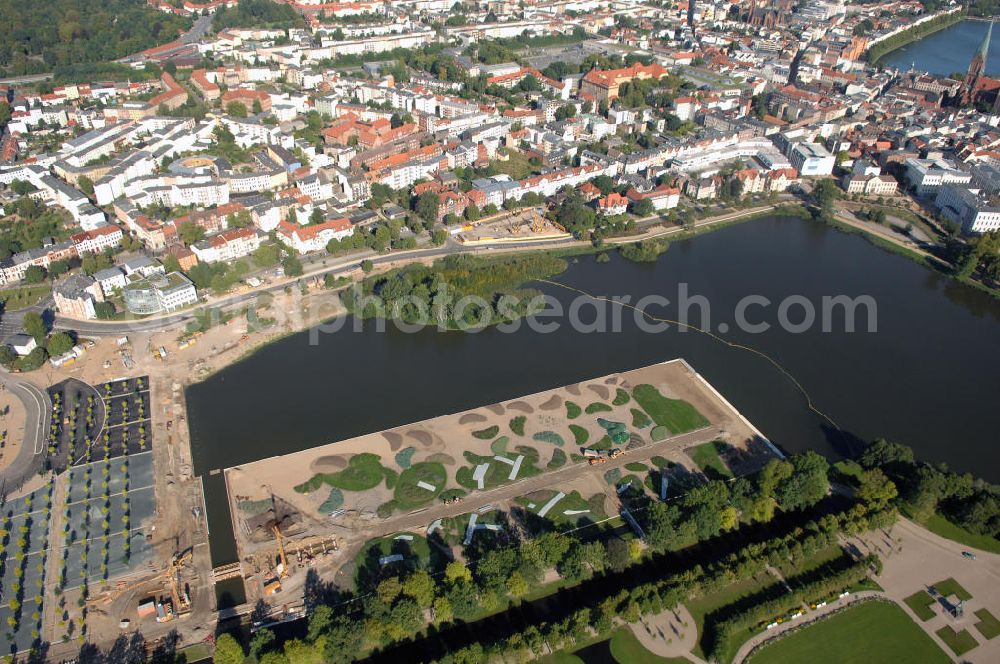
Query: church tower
pixel 691 11
pixel 976 69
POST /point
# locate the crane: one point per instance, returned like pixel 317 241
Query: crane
pixel 283 572
pixel 182 604
pixel 172 571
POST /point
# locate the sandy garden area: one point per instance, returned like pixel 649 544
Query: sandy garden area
pixel 564 457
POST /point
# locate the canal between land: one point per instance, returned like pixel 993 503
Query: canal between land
pixel 927 377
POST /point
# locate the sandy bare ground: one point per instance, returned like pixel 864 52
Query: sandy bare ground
pixel 916 558
pixel 671 633
pixel 12 426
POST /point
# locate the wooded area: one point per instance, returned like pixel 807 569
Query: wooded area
pixel 39 35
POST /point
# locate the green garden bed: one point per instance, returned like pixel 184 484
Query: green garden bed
pixel 364 471
pixel 960 642
pixel 950 587
pixel 987 625
pixel 921 603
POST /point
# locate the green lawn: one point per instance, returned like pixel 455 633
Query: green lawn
pixel 707 457
pixel 487 433
pixel 676 414
pixel 950 587
pixel 364 471
pixel 988 624
pixel 516 166
pixel 199 652
pixel 21 298
pixel 580 435
pixel 409 494
pixel 939 525
pixel 869 632
pixel 959 642
pixel 846 472
pixel 626 649
pixel 920 603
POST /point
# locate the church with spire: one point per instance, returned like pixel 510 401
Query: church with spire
pixel 977 86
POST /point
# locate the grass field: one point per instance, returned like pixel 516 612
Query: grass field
pixel 676 414
pixel 21 298
pixel 950 587
pixel 707 457
pixel 959 642
pixel 988 625
pixel 869 632
pixel 921 603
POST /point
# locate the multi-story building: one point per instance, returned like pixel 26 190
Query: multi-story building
pixel 159 293
pixel 811 159
pixel 228 245
pixel 605 84
pixel 76 296
pixel 304 239
pixel 975 214
pixel 926 176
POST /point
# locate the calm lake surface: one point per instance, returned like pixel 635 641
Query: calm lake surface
pixel 928 377
pixel 947 51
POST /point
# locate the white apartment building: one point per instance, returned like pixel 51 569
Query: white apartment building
pixel 228 245
pixel 926 176
pixel 304 239
pixel 811 159
pixel 964 207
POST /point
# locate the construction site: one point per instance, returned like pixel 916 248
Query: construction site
pixel 528 225
pixel 570 458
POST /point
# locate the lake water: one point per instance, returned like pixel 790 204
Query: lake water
pixel 927 377
pixel 947 51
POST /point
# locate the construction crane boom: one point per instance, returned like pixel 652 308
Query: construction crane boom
pixel 281 551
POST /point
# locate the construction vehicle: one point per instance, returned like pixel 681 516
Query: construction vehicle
pixel 615 453
pixel 182 603
pixel 590 453
pixel 597 460
pixel 283 564
pixel 180 599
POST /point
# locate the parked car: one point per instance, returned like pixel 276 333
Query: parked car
pixel 970 555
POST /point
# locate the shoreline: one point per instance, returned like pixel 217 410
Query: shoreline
pixel 918 32
pixel 711 224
